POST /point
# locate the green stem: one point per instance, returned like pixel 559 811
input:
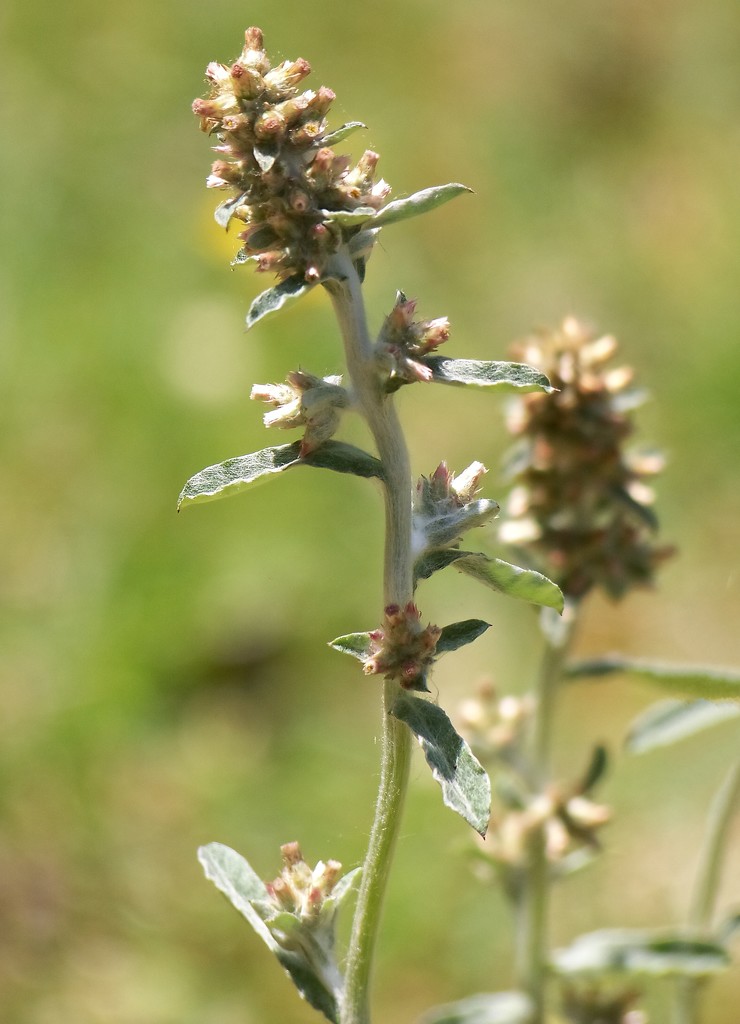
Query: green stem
pixel 534 899
pixel 344 287
pixel 706 885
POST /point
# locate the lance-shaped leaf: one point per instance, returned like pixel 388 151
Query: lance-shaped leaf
pixel 225 211
pixel 233 876
pixel 432 561
pixel 525 584
pixel 355 644
pixel 687 680
pixel 502 376
pixel 440 530
pixel 668 721
pixel 638 952
pixel 236 475
pixel 466 788
pixel 419 202
pixel 341 133
pixel 348 218
pixel 275 298
pixel 458 634
pixel 486 1008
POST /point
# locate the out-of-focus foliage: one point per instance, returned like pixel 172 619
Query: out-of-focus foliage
pixel 165 680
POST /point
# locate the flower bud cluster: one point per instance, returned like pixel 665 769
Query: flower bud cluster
pixel 402 649
pixel 444 507
pixel 304 401
pixel 302 891
pixel 272 156
pixel 403 342
pixel 495 726
pixel 567 822
pixel 582 503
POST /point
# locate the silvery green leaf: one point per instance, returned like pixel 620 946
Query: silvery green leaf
pixel 225 211
pixel 640 952
pixel 356 644
pixel 526 584
pixel 668 721
pixel 441 530
pixel 419 202
pixel 341 133
pixel 236 475
pixel 233 876
pixel 493 1008
pixel 458 634
pixel 360 245
pixel 466 788
pixel 348 218
pixel 687 680
pixel 501 376
pixel 275 298
pixel 265 157
pixel 432 561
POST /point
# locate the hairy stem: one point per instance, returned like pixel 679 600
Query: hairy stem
pixel 344 287
pixel 534 899
pixel 704 895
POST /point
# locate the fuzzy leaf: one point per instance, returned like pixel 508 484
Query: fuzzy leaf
pixel 225 211
pixel 265 157
pixel 419 202
pixel 348 218
pixel 637 952
pixel 355 644
pixel 343 888
pixel 466 787
pixel 233 876
pixel 526 584
pixel 458 634
pixel 236 475
pixel 341 133
pixel 505 377
pixel 432 561
pixel 441 530
pixel 687 680
pixel 668 721
pixel 493 1008
pixel 275 298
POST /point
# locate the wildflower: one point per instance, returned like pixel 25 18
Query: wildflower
pixel 445 507
pixel 582 503
pixel 285 181
pixel 304 400
pixel 402 649
pixel 403 342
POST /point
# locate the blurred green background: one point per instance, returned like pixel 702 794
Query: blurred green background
pixel 165 680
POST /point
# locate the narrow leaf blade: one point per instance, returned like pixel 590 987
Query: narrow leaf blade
pixel 432 561
pixel 225 211
pixel 355 644
pixel 501 376
pixel 344 458
pixel 638 952
pixel 687 680
pixel 458 634
pixel 419 202
pixel 525 584
pixel 236 475
pixel 485 1008
pixel 275 298
pixel 341 133
pixel 466 788
pixel 668 721
pixel 233 876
